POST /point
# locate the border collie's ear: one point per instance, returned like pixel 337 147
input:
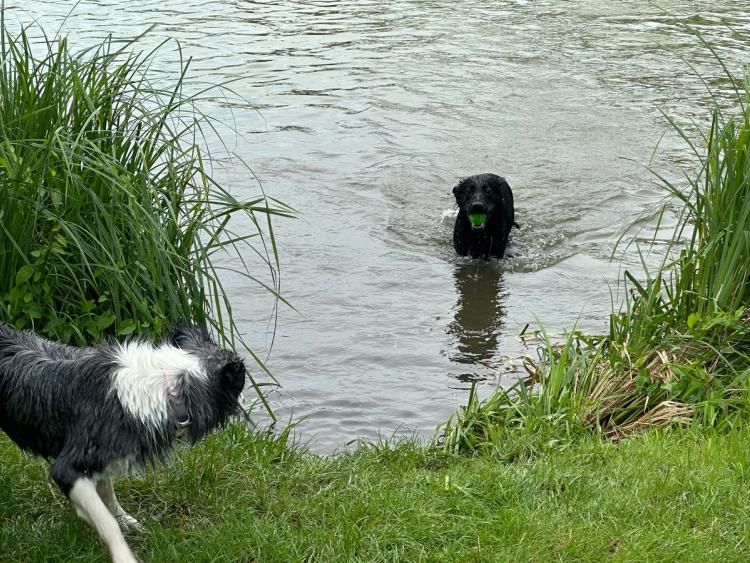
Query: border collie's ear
pixel 233 375
pixel 185 334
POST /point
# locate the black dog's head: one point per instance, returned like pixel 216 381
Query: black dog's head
pixel 203 401
pixel 480 197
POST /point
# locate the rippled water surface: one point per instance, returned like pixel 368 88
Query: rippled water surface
pixel 363 115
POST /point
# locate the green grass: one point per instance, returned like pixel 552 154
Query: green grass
pixel 110 218
pixel 679 348
pixel 110 214
pixel 110 221
pixel 666 496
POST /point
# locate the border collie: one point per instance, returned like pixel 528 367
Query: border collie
pixel 485 216
pixel 96 413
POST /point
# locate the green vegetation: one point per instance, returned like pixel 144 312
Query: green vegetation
pixel 110 216
pixel 667 496
pixel 680 348
pixel 109 220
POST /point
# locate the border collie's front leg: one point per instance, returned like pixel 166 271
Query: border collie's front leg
pixel 89 506
pixel 107 493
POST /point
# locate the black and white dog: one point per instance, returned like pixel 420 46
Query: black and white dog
pixel 111 409
pixel 485 216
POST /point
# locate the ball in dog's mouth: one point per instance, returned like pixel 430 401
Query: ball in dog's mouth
pixel 478 220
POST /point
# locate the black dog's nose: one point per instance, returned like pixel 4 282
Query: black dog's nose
pixel 476 208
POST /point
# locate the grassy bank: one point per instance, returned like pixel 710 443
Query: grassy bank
pixel 677 350
pixel 663 497
pixel 116 219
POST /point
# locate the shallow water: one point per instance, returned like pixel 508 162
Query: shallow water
pixel 363 115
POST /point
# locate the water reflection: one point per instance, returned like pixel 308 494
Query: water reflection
pixel 478 318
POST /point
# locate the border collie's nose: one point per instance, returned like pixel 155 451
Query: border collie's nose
pixel 476 208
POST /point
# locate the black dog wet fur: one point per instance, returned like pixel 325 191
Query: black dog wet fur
pixel 485 216
pixel 96 413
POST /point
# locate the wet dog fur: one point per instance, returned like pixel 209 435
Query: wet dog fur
pixel 491 195
pixel 96 413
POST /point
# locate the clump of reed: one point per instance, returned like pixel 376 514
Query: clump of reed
pixel 110 218
pixel 679 350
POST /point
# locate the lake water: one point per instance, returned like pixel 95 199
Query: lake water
pixel 363 115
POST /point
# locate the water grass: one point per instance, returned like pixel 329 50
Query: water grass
pixel 110 218
pixel 679 350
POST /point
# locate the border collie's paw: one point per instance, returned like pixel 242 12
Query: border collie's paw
pixel 129 523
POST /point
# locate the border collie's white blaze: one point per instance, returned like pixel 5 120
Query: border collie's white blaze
pixel 97 412
pixel 146 376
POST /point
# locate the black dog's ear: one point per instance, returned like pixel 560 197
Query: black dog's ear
pixel 497 188
pixel 461 187
pixel 185 334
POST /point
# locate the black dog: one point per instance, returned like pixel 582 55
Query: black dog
pixel 99 412
pixel 485 216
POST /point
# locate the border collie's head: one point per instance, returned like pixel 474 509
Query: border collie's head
pixel 205 400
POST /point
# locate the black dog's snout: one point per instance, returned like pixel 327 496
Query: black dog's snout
pixel 476 207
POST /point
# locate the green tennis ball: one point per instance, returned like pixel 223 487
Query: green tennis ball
pixel 477 219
